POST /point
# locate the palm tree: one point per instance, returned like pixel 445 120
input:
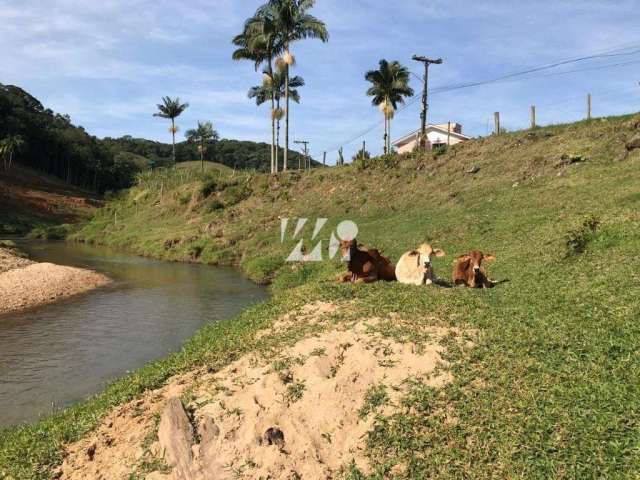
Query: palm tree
pixel 171 108
pixel 292 23
pixel 202 134
pixel 273 87
pixel 390 84
pixel 259 42
pixel 10 146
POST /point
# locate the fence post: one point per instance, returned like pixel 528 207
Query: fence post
pixel 533 117
pixel 496 121
pixel 588 106
pixel 448 133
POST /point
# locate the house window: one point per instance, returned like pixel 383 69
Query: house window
pixel 435 146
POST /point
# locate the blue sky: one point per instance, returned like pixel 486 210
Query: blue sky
pixel 107 63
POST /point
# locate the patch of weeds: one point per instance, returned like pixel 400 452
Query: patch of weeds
pixel 295 391
pixel 343 347
pixel 375 397
pixel 318 352
pixel 576 240
pixel 208 187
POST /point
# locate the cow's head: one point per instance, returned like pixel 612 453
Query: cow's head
pixel 346 248
pixel 474 259
pixel 424 255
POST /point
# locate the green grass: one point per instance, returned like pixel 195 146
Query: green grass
pixel 208 166
pixel 550 388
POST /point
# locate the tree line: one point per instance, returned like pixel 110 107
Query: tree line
pixel 37 137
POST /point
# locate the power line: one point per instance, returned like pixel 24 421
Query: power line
pixel 614 52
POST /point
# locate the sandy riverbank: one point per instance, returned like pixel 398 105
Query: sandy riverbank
pixel 25 284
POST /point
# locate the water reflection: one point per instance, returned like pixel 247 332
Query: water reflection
pixel 58 354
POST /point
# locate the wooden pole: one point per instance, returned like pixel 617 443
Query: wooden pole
pixel 588 106
pixel 533 116
pixel 448 133
pixel 496 121
pixel 324 159
pixel 364 147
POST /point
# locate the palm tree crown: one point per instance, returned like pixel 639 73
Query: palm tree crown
pixel 203 133
pixel 171 108
pixel 390 85
pixel 286 21
pixel 274 85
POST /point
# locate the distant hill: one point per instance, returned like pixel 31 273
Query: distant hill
pixel 236 154
pixel 52 144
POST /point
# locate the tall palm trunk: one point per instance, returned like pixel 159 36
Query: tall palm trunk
pixel 286 118
pixel 386 121
pixel 173 134
pixel 202 154
pixel 389 135
pixel 278 136
pixel 274 158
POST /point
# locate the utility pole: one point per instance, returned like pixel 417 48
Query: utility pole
pixel 588 106
pixel 425 93
pixel 306 153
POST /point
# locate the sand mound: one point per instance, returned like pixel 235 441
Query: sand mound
pixel 39 283
pixel 10 261
pixel 302 415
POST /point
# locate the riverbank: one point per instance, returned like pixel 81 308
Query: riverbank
pixel 26 284
pixel 517 365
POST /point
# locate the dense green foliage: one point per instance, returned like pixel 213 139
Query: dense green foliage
pixel 236 154
pixel 547 389
pixel 52 144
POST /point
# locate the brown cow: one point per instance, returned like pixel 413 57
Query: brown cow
pixel 365 265
pixel 468 270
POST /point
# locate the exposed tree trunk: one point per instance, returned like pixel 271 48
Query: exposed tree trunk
pixel 286 118
pixel 389 135
pixel 274 164
pixel 173 134
pixel 277 137
pixel 202 155
pixel 10 159
pixel 384 148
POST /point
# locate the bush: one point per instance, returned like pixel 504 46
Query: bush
pixel 578 239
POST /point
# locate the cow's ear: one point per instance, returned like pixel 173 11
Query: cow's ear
pixel 489 257
pixel 413 253
pixel 463 258
pixel 439 252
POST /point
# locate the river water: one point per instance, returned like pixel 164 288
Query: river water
pixel 55 355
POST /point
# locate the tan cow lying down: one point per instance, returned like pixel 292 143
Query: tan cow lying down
pixel 415 268
pixel 468 270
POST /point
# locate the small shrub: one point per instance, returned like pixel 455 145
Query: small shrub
pixel 235 194
pixel 208 187
pixel 184 197
pixel 578 239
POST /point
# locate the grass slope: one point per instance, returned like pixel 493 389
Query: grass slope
pixel 550 389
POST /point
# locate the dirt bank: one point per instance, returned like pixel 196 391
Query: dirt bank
pixel 25 284
pixel 303 414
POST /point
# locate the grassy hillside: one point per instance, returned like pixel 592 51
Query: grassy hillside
pixel 550 388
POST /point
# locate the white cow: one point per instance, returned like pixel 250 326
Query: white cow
pixel 414 267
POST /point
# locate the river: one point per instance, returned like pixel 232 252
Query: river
pixel 55 355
